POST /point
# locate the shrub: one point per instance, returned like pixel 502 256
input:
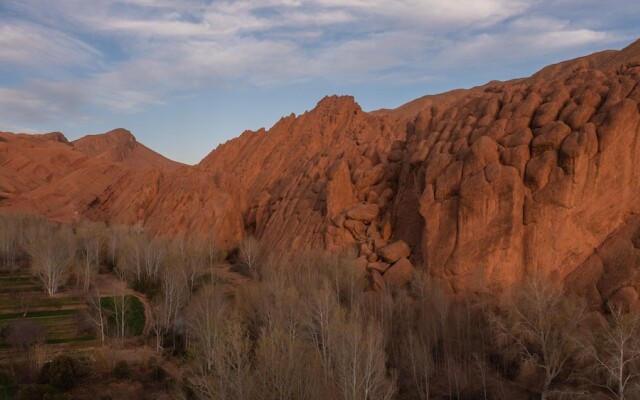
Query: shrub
pixel 121 370
pixel 147 286
pixel 157 373
pixel 24 334
pixel 5 380
pixel 62 373
pixel 40 392
pixel 8 388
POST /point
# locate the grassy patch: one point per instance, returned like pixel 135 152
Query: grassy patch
pixel 71 340
pixel 56 315
pixel 134 313
pixel 13 303
pixel 25 288
pixel 38 314
pixel 16 280
pixel 8 392
pixel 12 284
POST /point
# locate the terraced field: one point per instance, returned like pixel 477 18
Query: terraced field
pixel 22 298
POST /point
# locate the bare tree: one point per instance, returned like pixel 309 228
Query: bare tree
pixel 160 328
pixel 130 256
pixel 250 252
pixel 120 307
pixel 422 331
pixel 614 351
pixel 52 254
pixel 205 322
pixel 347 281
pixel 236 359
pixel 24 299
pixel 420 364
pixel 174 296
pixel 154 257
pixel 96 314
pixel 285 365
pixel 212 249
pixel 113 240
pixel 538 326
pixel 9 243
pixel 360 361
pixel 91 239
pixel 220 347
pixel 189 257
pixel 322 311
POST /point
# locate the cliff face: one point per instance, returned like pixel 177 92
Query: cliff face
pixel 524 176
pixel 477 186
pixel 296 179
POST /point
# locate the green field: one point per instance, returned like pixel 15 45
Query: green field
pixel 134 313
pixel 12 284
pixel 22 298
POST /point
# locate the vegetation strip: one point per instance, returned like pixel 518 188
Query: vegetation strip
pixel 37 314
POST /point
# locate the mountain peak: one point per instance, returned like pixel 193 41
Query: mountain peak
pixel 121 134
pixel 114 145
pixel 337 103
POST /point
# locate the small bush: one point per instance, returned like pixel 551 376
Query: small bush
pixel 5 380
pixel 147 286
pixel 157 373
pixel 62 373
pixel 23 334
pixel 121 370
pixel 40 392
pixel 8 388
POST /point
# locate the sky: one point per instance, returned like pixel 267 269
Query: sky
pixel 187 75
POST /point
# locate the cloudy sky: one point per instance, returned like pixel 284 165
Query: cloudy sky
pixel 186 75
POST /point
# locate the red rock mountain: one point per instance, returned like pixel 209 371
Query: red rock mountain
pixel 539 175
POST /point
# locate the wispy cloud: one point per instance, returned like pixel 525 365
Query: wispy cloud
pixel 31 45
pixel 523 38
pixel 126 55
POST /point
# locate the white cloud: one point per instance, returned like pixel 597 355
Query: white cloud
pixel 171 46
pixel 40 101
pixel 522 39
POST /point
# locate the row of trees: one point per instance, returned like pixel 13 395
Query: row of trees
pixel 57 252
pixel 50 250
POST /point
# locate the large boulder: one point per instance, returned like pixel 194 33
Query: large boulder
pixel 399 274
pixel 394 251
pixel 379 266
pixel 363 212
pixel 378 283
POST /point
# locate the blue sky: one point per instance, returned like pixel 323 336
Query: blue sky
pixel 186 75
